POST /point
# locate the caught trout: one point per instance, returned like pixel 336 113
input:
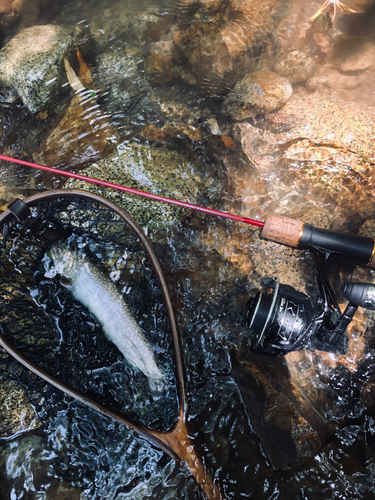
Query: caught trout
pixel 99 294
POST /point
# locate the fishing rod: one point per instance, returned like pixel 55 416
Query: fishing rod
pixel 281 319
pixel 277 228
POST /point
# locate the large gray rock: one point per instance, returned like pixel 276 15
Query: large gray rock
pixel 119 73
pixel 32 63
pixel 155 170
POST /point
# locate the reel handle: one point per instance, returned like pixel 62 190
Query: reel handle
pixel 297 234
pixel 360 294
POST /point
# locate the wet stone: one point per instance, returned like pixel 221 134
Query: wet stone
pixel 218 41
pixel 32 63
pixel 292 266
pixel 289 426
pixel 258 93
pixel 109 21
pixel 83 135
pixel 16 413
pixel 324 160
pixel 359 58
pixel 155 170
pixel 296 66
pixel 120 74
pixel 12 12
pixel 159 68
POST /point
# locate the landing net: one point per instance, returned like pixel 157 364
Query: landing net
pixel 46 323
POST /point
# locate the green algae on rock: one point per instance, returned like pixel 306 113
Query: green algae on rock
pixel 158 171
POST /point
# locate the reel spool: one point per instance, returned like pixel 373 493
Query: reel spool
pixel 282 319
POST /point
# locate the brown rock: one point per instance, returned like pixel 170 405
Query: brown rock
pixel 9 11
pixel 360 58
pixel 216 49
pixel 296 66
pixel 27 11
pixel 159 67
pixel 83 135
pixel 327 161
pixel 60 490
pixel 233 247
pixel 368 393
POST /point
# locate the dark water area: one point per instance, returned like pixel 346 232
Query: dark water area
pixel 155 82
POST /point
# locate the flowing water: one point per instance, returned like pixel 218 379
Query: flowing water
pixel 155 73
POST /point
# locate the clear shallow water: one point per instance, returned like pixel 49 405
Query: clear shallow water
pixel 81 453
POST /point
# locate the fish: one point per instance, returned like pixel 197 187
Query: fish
pixel 92 288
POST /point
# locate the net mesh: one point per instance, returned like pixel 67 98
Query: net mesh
pixel 55 331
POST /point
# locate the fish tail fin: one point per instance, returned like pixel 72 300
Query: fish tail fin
pixel 158 384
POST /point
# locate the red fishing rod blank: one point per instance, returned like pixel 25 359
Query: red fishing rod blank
pixel 138 192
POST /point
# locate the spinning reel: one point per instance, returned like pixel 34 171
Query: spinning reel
pixel 282 319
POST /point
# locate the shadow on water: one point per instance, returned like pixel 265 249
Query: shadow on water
pixel 154 77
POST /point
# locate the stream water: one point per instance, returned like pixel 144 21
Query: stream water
pixel 155 73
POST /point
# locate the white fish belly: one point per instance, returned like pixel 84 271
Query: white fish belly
pixel 100 296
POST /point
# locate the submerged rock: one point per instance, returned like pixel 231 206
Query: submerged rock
pixel 219 37
pixel 120 75
pixel 324 160
pixel 158 171
pixel 12 12
pixel 258 93
pixel 357 58
pixel 296 66
pixel 111 20
pixel 83 135
pixel 16 413
pixel 289 427
pixel 32 63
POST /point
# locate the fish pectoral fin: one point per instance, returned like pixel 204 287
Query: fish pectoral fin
pixel 65 281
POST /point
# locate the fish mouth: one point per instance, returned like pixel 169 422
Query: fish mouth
pixel 63 260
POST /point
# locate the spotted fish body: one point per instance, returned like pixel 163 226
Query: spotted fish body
pixel 99 294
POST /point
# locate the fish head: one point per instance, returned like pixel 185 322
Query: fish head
pixel 64 260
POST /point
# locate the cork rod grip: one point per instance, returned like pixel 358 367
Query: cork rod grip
pixel 297 234
pixel 283 230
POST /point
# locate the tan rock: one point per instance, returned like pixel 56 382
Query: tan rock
pixel 295 65
pixel 360 58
